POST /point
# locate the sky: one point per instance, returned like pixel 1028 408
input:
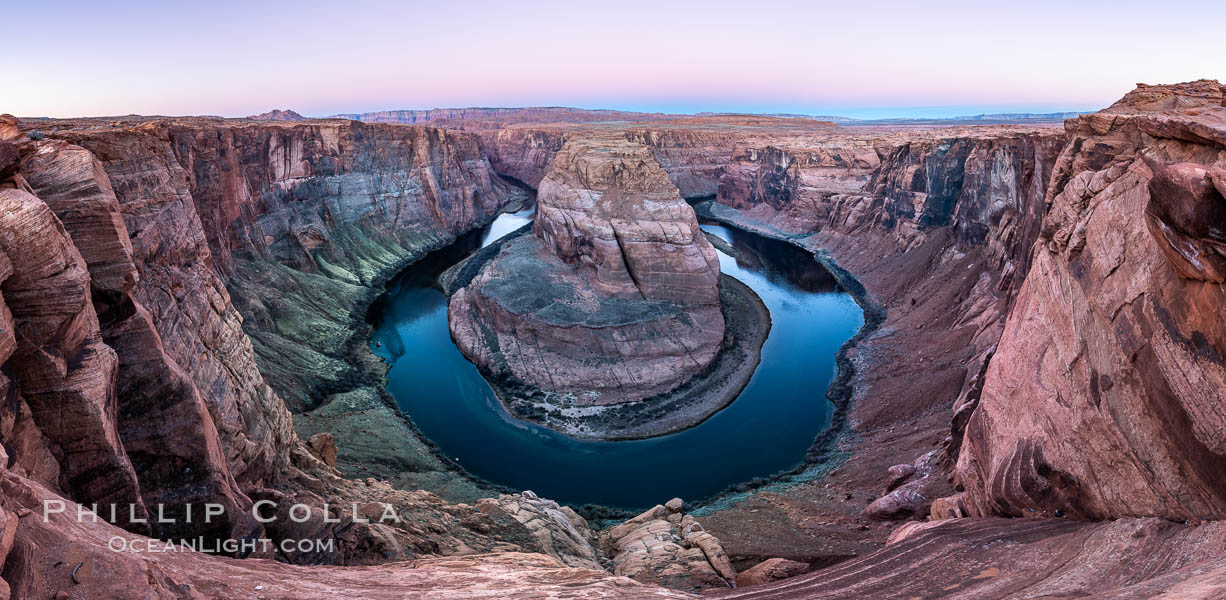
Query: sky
pixel 856 58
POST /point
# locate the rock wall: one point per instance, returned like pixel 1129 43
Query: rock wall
pixel 524 154
pixel 936 225
pixel 1105 397
pixel 161 416
pixel 132 378
pixel 693 159
pixel 1022 558
pixel 177 328
pixel 56 361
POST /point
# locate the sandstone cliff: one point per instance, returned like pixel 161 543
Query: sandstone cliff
pixel 132 379
pixel 936 300
pixel 1105 397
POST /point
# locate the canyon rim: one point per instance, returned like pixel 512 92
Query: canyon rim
pixel 652 348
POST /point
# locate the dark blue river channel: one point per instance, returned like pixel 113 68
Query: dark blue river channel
pixel 767 429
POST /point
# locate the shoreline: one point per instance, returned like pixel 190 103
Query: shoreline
pixel 689 405
pixel 823 452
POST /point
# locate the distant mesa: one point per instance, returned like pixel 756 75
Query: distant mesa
pixel 278 115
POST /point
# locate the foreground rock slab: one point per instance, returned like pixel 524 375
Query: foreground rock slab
pixel 1023 558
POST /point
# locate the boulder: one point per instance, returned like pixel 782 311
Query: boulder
pixel 324 447
pixel 665 546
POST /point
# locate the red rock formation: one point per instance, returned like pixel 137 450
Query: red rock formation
pixel 1105 396
pixel 39 564
pixel 74 184
pixel 615 297
pixel 667 547
pixel 522 153
pixel 188 305
pixel 611 209
pixel 8 127
pixel 59 364
pixel 693 159
pixel 162 418
pixel 944 295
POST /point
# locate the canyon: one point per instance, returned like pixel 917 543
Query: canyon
pixel 1033 407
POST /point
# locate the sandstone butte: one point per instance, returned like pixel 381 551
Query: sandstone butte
pixel 615 295
pixel 1034 410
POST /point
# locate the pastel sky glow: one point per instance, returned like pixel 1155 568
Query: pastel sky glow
pixel 855 58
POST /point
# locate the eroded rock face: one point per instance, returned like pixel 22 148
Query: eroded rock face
pixel 1105 396
pixel 524 154
pixel 609 208
pixel 615 295
pixel 1187 217
pixel 71 181
pixel 59 362
pixel 204 354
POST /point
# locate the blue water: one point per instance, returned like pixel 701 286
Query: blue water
pixel 767 429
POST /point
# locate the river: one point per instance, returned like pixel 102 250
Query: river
pixel 767 429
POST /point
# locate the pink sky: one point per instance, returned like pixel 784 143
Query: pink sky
pixel 853 58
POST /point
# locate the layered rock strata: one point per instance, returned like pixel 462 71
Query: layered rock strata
pixel 935 252
pixel 131 380
pixel 288 231
pixel 1023 558
pixel 1105 396
pixel 615 295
